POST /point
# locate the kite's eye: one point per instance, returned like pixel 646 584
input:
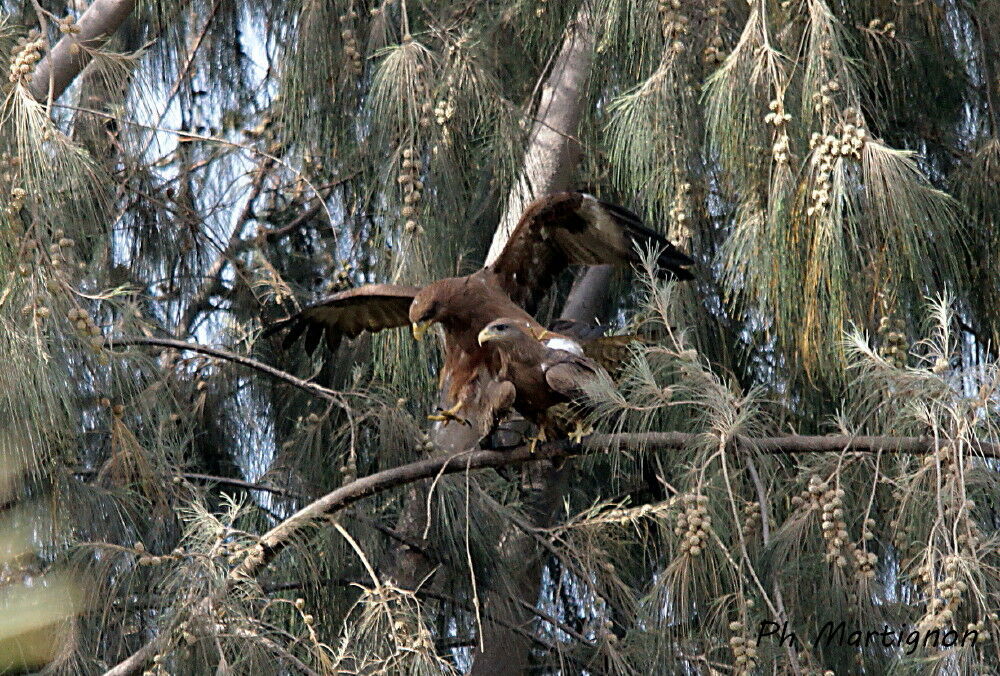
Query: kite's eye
pixel 500 327
pixel 430 314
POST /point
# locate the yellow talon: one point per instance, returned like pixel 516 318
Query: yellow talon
pixel 447 415
pixel 580 431
pixel 535 439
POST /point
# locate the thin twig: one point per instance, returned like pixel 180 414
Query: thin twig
pixel 444 598
pixel 311 388
pixel 239 483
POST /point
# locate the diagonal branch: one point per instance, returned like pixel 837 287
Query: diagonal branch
pixel 280 536
pixel 424 593
pixel 249 362
pixel 56 71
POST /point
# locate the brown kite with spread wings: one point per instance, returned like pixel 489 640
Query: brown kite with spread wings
pixel 555 231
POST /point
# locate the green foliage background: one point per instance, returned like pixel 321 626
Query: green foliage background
pixel 832 164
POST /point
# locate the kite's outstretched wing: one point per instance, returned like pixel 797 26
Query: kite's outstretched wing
pixel 372 307
pixel 567 228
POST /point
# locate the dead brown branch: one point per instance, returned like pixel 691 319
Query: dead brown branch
pixel 249 362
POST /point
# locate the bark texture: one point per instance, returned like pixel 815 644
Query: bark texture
pixel 550 157
pixel 550 160
pixel 553 148
pixel 59 68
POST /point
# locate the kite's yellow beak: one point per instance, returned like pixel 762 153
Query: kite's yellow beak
pixel 487 334
pixel 419 329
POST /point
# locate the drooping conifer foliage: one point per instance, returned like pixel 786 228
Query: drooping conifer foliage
pixel 806 434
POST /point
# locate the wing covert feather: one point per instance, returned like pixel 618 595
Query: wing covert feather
pixel 568 376
pixel 574 228
pixel 373 307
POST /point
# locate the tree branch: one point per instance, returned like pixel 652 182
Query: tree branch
pixel 552 149
pixel 424 593
pixel 249 362
pixel 135 662
pixel 786 445
pixel 213 283
pixel 213 279
pixel 360 518
pixel 296 223
pixel 279 537
pixel 240 483
pixel 61 66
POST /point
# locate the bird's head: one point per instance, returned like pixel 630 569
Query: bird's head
pixel 501 330
pixel 425 310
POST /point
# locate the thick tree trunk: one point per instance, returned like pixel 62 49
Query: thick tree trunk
pixel 549 163
pixel 588 298
pixel 553 149
pixel 550 159
pixel 62 65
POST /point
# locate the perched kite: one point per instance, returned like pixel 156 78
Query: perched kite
pixel 555 231
pixel 543 378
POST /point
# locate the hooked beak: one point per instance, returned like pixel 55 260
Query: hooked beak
pixel 486 335
pixel 419 329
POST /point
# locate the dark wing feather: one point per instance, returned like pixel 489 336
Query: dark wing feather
pixel 568 228
pixel 611 352
pixel 372 307
pixel 569 374
pixel 581 331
